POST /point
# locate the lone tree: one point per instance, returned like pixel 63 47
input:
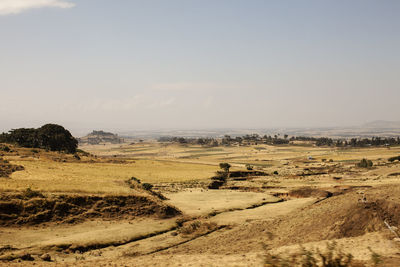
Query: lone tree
pixel 225 167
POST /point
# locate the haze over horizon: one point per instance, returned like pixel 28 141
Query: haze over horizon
pixel 127 65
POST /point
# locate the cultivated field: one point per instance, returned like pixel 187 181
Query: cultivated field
pixel 86 210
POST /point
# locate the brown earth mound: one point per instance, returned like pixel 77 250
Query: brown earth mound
pixel 347 215
pixel 35 209
pixel 369 217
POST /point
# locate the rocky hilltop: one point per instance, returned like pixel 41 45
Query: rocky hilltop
pixel 98 137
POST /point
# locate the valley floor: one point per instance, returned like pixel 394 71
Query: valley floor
pixel 306 204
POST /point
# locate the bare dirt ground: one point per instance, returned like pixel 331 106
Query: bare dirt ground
pixel 297 203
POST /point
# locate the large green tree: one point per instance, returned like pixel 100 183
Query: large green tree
pixel 50 136
pixel 56 138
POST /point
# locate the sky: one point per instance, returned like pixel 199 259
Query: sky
pixel 126 65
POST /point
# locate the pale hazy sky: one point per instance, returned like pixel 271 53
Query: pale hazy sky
pixel 118 64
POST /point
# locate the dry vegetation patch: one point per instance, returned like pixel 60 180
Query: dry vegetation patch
pixel 197 228
pixel 6 168
pixel 31 208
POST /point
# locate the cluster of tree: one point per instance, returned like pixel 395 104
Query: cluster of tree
pixel 194 141
pixel 228 140
pixel 255 139
pixel 355 142
pixel 50 136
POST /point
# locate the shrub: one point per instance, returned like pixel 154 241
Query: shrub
pixel 220 176
pixel 331 257
pixel 135 179
pixel 249 167
pixel 276 172
pixel 394 158
pixel 197 228
pixel 29 193
pixel 6 168
pixel 84 153
pixel 134 183
pixel 190 227
pixel 375 257
pixel 180 221
pixel 365 163
pixel 216 184
pixel 147 186
pixel 5 148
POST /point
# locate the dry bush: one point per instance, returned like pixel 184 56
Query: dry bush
pixel 31 207
pixel 4 148
pixel 365 163
pixel 6 168
pixel 330 257
pixel 392 159
pixel 29 193
pixel 196 228
pixel 147 186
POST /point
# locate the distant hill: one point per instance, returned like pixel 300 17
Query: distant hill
pixel 382 124
pixel 100 137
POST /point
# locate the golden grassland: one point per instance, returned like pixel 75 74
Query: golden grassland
pixel 53 176
pixel 154 162
pixel 289 201
pixel 238 154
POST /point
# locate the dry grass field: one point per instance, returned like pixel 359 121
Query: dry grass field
pixel 76 177
pixel 86 210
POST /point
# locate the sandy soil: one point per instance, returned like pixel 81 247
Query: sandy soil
pixel 197 202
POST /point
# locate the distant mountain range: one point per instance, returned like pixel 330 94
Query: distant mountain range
pixel 382 124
